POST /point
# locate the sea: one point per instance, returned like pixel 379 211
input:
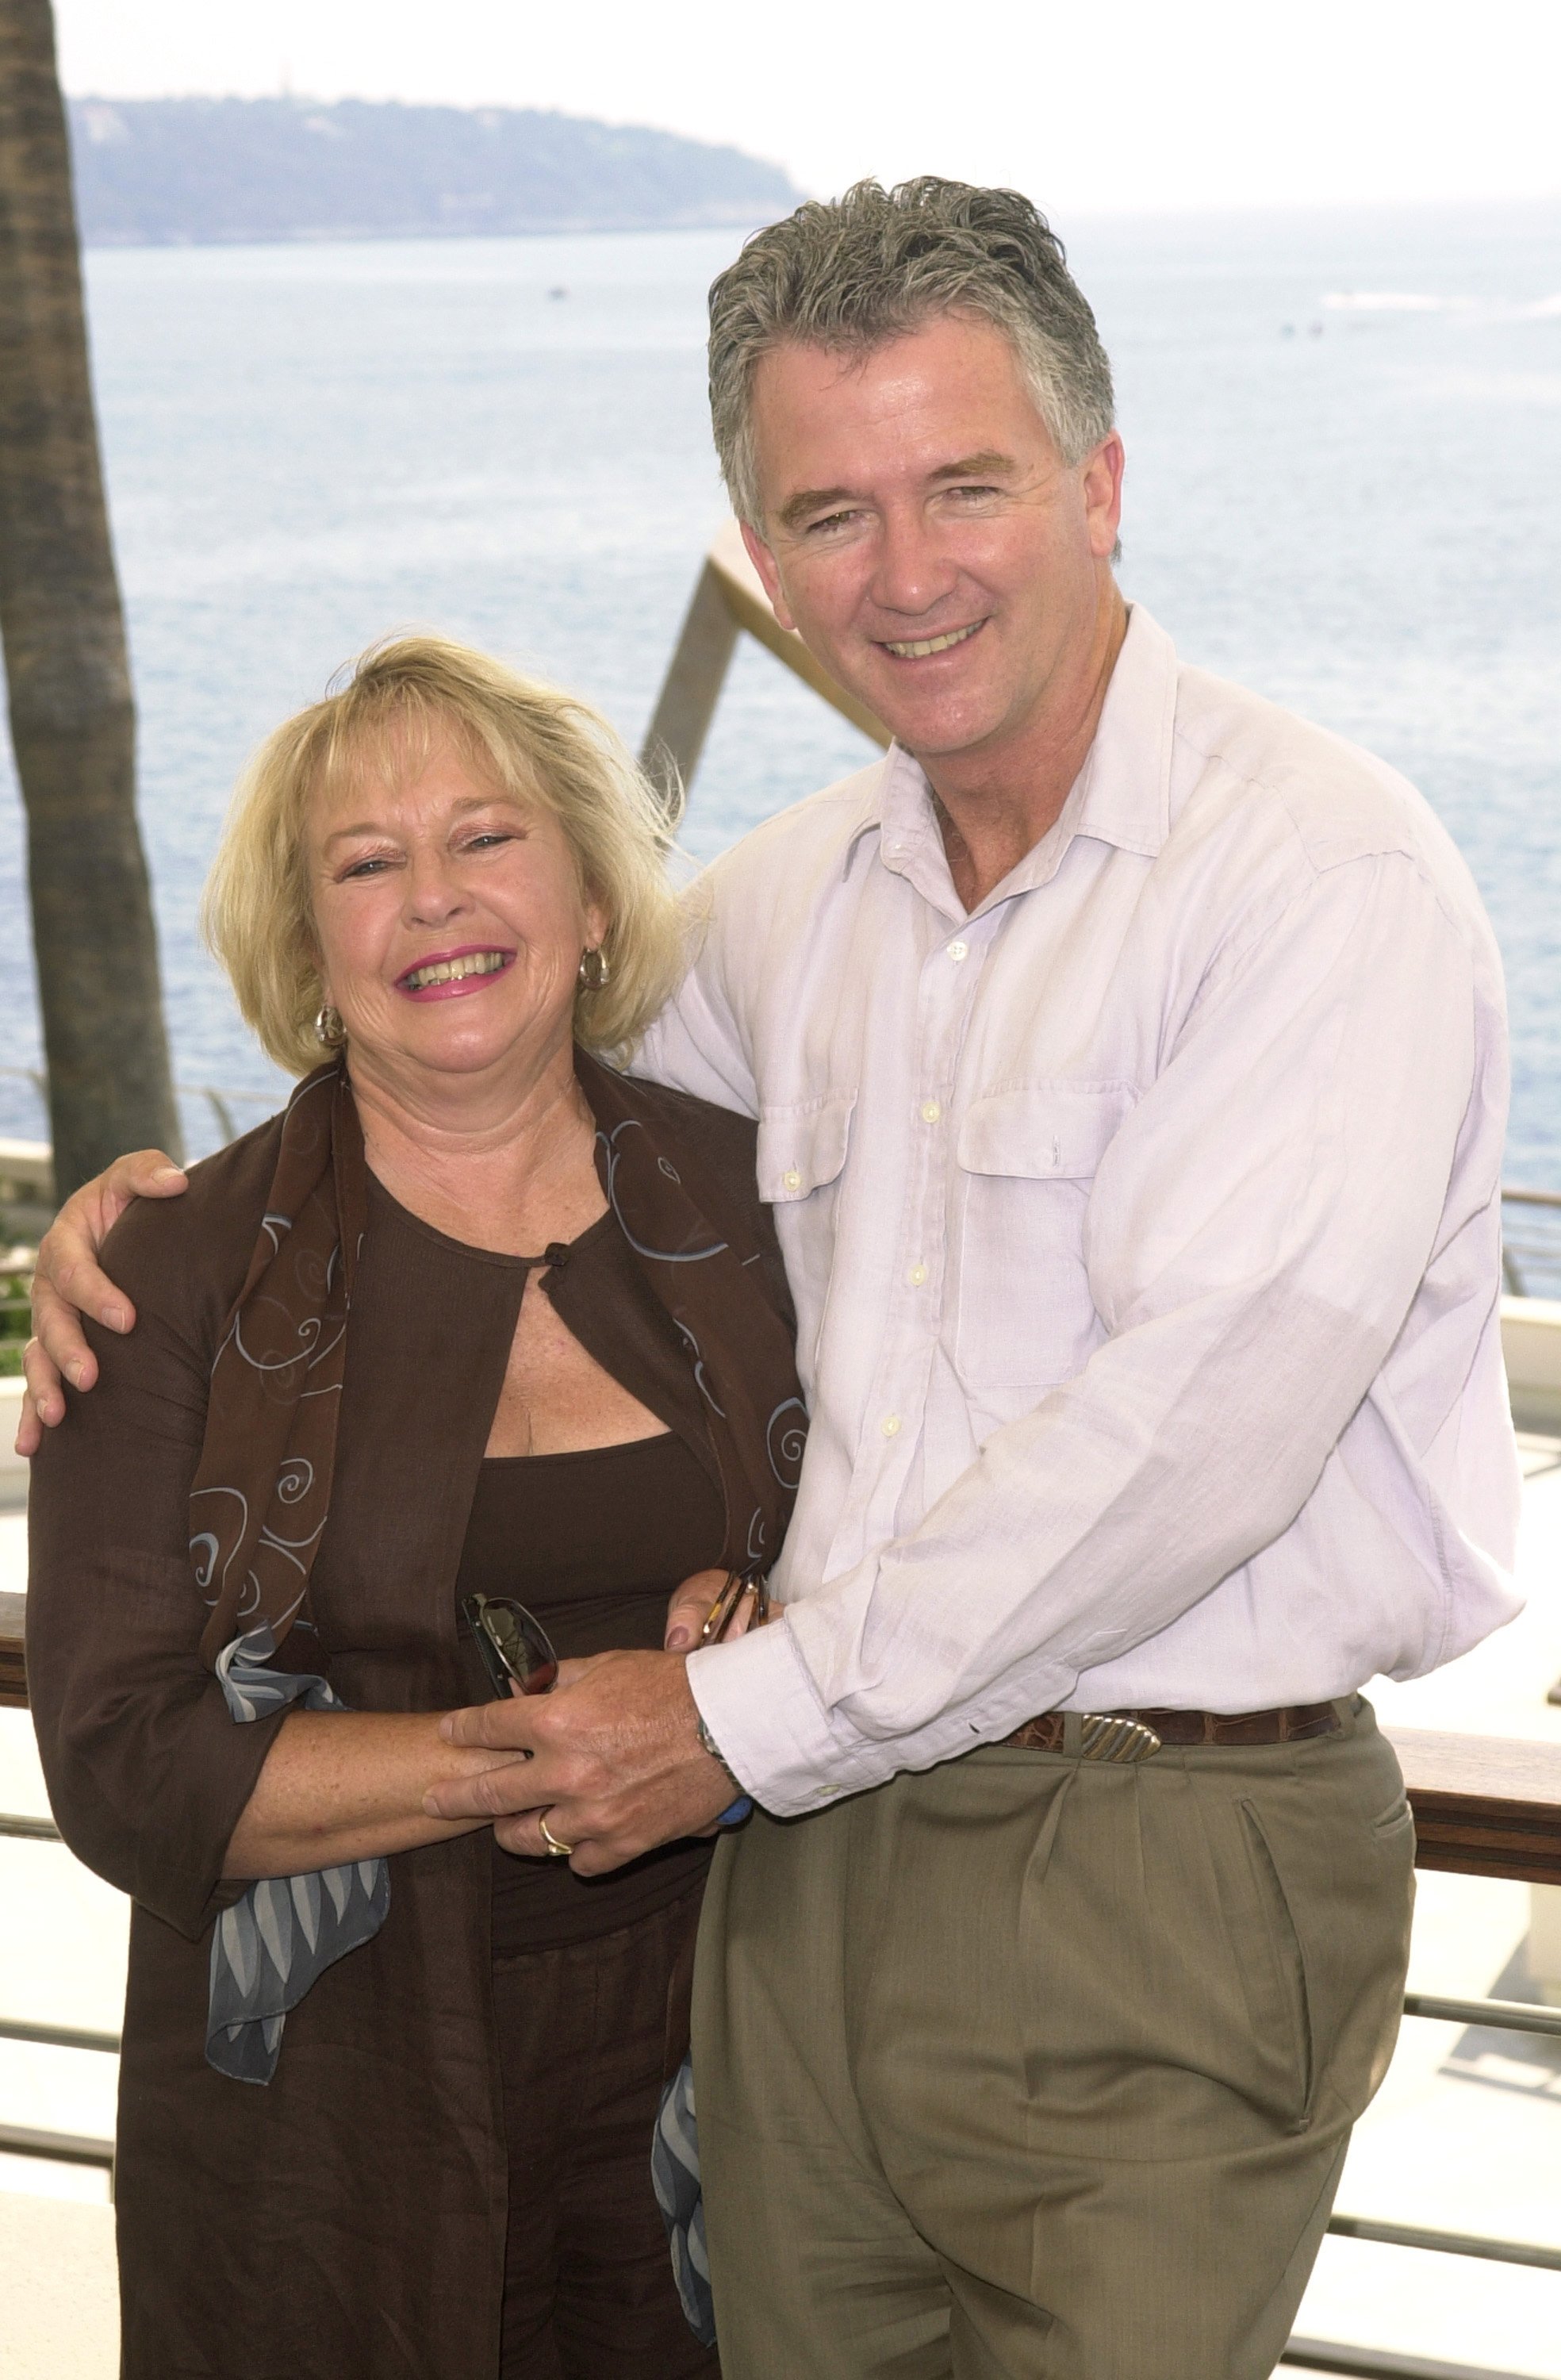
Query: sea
pixel 1344 489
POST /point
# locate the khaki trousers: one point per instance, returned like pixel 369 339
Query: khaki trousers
pixel 1035 2069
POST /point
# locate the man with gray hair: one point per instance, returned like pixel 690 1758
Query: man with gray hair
pixel 1129 1072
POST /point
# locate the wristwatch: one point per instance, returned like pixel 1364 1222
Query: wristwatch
pixel 707 1743
pixel 742 1808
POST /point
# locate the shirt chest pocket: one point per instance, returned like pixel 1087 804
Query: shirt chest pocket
pixel 1027 1160
pixel 801 1157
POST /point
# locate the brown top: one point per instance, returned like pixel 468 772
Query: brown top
pixel 347 2219
pixel 592 1543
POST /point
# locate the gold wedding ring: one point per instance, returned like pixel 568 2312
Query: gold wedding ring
pixel 555 1848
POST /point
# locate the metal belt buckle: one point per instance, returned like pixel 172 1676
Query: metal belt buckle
pixel 1104 1737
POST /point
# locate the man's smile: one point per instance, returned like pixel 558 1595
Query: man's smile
pixel 918 649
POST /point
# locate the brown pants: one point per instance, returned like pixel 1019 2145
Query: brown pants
pixel 588 2290
pixel 1034 2068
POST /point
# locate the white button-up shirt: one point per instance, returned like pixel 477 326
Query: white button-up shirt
pixel 1144 1225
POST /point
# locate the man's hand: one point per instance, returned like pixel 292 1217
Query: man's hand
pixel 616 1765
pixel 67 1284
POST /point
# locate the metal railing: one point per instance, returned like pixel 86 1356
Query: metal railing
pixel 1530 1251
pixel 1373 2363
pixel 1370 2364
pixel 28 1831
pixel 1315 2355
pixel 59 2148
pixel 220 1104
pixel 58 2037
pixel 49 2036
pixel 21 2140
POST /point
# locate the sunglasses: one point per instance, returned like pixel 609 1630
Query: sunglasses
pixel 518 1655
pixel 723 1610
pixel 514 1646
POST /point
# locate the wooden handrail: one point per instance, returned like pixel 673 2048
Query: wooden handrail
pixel 1483 1804
pixel 13 1655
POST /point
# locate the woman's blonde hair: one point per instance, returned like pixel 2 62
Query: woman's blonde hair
pixel 400 700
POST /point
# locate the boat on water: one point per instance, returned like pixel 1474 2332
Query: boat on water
pixel 1444 2261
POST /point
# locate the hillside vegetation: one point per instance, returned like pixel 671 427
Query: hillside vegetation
pixel 151 172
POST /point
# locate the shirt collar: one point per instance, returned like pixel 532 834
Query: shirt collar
pixel 1122 795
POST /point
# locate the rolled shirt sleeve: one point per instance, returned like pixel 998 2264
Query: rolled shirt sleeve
pixel 1256 1231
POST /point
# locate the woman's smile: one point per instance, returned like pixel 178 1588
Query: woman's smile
pixel 450 975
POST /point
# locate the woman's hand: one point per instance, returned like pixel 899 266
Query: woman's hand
pixel 616 1765
pixel 691 1604
pixel 350 1785
pixel 68 1283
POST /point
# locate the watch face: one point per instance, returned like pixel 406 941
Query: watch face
pixel 514 1644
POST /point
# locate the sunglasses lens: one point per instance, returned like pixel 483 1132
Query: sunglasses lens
pixel 532 1661
pixel 514 1645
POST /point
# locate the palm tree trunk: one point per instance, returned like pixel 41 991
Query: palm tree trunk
pixel 73 719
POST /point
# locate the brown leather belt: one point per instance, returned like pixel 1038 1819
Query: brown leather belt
pixel 1139 1734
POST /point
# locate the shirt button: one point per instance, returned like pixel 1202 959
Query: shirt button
pixel 957 951
pixel 891 1425
pixel 930 1111
pixel 792 1178
pixel 917 1275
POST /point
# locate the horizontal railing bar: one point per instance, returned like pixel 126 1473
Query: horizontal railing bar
pixel 28 1831
pixel 56 2036
pixel 59 2148
pixel 1373 2363
pixel 1447 2243
pixel 1508 2016
pixel 197 1090
pixel 1531 1197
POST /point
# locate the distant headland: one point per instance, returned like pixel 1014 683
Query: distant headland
pixel 161 172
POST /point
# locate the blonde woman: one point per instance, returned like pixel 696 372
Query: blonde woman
pixel 478 1320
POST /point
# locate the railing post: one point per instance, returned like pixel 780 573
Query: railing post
pixel 692 686
pixel 729 599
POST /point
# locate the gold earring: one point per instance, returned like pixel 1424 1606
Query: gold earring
pixel 596 973
pixel 329 1030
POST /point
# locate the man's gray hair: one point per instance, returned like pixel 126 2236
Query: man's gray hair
pixel 850 273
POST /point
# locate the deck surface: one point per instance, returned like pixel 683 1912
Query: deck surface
pixel 59 2291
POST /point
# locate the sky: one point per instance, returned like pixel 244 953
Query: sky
pixel 1142 107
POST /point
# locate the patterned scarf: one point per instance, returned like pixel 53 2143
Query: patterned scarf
pixel 263 1488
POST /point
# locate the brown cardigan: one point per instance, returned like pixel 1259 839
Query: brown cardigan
pixel 348 2221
